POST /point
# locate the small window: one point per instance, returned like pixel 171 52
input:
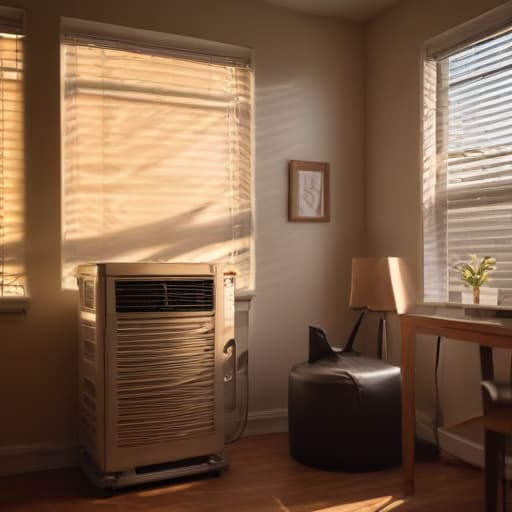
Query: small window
pixel 157 161
pixel 12 267
pixel 467 173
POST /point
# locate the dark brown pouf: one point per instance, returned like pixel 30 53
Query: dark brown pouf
pixel 344 413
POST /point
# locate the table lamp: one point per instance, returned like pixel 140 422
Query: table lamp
pixel 380 285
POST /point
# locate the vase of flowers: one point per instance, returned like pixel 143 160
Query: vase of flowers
pixel 476 273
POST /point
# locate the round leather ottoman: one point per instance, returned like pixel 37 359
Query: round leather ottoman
pixel 344 413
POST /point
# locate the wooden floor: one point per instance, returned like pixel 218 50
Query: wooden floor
pixel 262 477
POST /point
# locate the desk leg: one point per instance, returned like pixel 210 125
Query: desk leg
pixel 408 407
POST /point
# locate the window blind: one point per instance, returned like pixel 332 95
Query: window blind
pixel 473 205
pixel 12 268
pixel 157 157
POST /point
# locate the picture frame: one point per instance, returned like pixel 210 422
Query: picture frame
pixel 308 191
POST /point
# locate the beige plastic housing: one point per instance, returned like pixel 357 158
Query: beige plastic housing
pixel 150 383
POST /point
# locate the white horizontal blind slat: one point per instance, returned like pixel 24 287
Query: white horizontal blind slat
pixel 12 267
pixel 157 160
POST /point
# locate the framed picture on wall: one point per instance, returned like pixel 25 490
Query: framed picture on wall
pixel 308 191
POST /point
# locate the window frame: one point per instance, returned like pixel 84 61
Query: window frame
pixel 437 48
pixel 12 21
pixel 145 41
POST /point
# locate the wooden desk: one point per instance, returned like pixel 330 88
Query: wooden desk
pixel 490 333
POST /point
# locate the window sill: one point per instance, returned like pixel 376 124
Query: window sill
pixel 14 304
pixel 243 300
pixel 465 310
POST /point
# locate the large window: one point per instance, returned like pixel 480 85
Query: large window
pixel 12 268
pixel 467 178
pixel 157 154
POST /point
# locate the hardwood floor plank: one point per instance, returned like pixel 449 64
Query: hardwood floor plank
pixel 262 477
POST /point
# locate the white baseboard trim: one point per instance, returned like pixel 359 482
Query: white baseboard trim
pixel 468 450
pixel 425 427
pixel 266 422
pixel 45 456
pixel 37 457
pixel 40 457
pixel 460 447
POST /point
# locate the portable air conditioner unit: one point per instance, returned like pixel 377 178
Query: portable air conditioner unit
pixel 151 375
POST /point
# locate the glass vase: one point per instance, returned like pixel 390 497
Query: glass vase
pixel 476 295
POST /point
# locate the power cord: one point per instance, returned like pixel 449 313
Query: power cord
pixel 437 415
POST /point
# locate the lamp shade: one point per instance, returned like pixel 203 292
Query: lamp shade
pixel 379 284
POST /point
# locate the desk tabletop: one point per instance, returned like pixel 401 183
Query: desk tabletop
pixel 486 331
pixel 470 320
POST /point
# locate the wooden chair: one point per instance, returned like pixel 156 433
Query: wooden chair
pixel 497 420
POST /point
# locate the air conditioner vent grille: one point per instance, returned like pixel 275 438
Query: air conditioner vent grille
pixel 165 380
pixel 88 413
pixel 180 294
pixel 89 294
pixel 89 341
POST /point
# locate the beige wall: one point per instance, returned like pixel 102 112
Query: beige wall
pixel 393 175
pixel 309 105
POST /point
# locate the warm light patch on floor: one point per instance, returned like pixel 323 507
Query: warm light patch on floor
pixel 381 504
pixel 170 489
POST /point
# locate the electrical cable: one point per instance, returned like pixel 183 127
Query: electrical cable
pixel 241 362
pixel 436 385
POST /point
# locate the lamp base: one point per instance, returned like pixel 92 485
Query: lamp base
pixel 382 347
